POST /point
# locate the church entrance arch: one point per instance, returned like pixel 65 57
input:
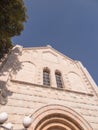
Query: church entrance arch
pixel 58 117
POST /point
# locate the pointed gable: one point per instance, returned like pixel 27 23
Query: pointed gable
pixel 50 54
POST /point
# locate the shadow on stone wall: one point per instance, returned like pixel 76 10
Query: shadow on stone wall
pixel 11 63
pixel 4 93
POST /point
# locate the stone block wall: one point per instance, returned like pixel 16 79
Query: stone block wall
pixel 26 92
pixel 27 98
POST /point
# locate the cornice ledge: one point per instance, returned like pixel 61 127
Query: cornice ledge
pixel 83 93
pixel 51 87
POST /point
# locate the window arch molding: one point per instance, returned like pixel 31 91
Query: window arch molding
pixel 58 116
pixel 46 69
pixel 18 65
pixel 76 82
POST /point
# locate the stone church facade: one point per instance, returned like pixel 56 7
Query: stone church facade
pixel 57 92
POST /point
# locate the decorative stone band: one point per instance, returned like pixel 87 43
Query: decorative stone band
pixel 58 117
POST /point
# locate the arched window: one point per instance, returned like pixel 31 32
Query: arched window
pixel 58 77
pixel 46 76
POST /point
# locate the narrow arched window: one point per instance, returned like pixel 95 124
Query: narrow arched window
pixel 58 77
pixel 46 76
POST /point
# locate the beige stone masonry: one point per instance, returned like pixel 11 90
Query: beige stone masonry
pixel 23 77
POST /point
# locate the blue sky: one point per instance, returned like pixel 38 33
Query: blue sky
pixel 70 26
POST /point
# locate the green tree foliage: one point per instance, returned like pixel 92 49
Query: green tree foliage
pixel 12 17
